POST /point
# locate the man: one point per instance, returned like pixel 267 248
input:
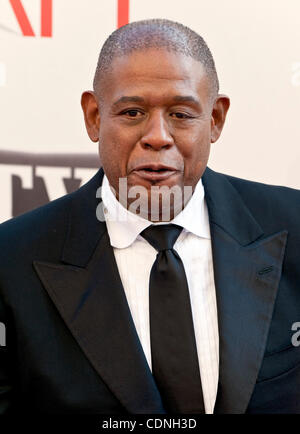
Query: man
pixel 112 308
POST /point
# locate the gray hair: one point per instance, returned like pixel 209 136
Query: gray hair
pixel 160 34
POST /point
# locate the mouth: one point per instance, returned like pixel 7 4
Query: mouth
pixel 154 172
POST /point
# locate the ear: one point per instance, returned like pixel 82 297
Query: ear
pixel 90 109
pixel 218 116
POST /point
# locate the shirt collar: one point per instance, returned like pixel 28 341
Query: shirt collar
pixel 123 226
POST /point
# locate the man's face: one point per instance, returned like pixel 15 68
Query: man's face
pixel 155 120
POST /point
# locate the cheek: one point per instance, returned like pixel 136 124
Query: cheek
pixel 195 144
pixel 195 152
pixel 115 148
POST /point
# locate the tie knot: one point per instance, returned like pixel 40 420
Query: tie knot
pixel 162 237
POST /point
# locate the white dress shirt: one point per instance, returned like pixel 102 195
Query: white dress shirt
pixel 135 257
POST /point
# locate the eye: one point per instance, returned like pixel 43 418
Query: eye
pixel 179 115
pixel 132 113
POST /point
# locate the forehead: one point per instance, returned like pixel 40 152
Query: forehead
pixel 155 73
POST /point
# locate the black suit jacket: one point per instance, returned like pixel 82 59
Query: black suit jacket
pixel 71 344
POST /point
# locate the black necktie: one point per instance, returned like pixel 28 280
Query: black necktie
pixel 173 346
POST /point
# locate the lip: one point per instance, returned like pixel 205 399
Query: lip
pixel 154 176
pixel 154 166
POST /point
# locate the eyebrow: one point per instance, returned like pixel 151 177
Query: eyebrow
pixel 184 98
pixel 139 99
pixel 129 99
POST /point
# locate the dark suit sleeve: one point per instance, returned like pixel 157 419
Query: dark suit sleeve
pixel 5 382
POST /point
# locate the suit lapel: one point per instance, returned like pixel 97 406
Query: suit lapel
pixel 247 270
pixel 89 295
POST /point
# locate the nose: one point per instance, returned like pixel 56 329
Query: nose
pixel 156 133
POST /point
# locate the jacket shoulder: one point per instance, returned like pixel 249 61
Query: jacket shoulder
pixel 262 191
pixel 36 231
pixel 48 218
pixel 273 205
pixel 42 232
